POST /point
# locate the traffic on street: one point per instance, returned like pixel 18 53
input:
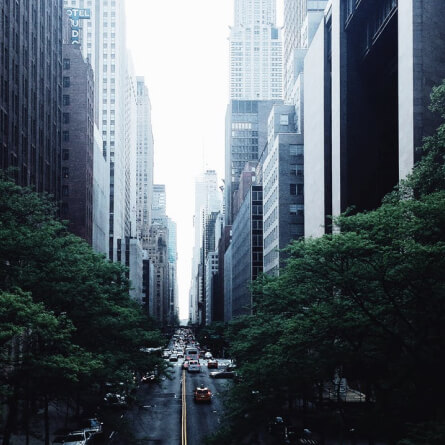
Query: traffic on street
pixel 183 407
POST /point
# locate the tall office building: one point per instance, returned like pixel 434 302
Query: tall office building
pixel 158 256
pixel 173 302
pixel 283 183
pixel 255 51
pixel 207 200
pixel 102 36
pixel 369 73
pixel 246 138
pixel 301 20
pixel 159 205
pixel 30 93
pixel 77 143
pixel 144 166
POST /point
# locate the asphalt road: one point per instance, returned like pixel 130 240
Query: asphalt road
pixel 203 418
pixel 156 417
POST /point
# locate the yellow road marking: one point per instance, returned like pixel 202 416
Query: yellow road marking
pixel 184 411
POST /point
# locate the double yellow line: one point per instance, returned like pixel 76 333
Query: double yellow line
pixel 184 411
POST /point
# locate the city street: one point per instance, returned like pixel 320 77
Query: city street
pixel 157 416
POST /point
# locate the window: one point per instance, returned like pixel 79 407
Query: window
pixel 65 190
pixel 66 82
pixel 66 136
pixel 66 64
pixel 66 99
pixel 284 119
pixel 293 189
pixel 300 189
pixel 66 118
pixel 296 150
pixel 65 155
pixel 296 209
pixel 65 172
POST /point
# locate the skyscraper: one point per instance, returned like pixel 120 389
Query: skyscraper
pixel 31 93
pixel 368 75
pixel 77 143
pixel 255 51
pixel 301 20
pixel 159 205
pixel 207 200
pixel 103 41
pixel 144 166
pixel 246 138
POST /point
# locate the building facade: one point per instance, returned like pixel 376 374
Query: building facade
pixel 374 63
pixel 207 201
pixel 255 52
pixel 246 138
pixel 247 250
pixel 31 93
pixel 102 36
pixel 144 165
pixel 283 182
pixel 77 143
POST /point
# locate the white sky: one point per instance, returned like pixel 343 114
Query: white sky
pixel 181 48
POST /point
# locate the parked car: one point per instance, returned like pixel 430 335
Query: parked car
pixel 116 400
pixel 194 366
pixel 148 378
pixel 166 353
pixel 202 394
pixel 223 374
pixel 92 424
pixel 77 438
pixel 212 363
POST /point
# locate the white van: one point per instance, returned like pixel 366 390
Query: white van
pixel 194 366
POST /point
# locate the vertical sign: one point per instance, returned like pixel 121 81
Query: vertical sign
pixel 75 15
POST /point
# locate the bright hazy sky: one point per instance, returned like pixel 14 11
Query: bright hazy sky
pixel 181 48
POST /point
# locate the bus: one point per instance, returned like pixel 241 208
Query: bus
pixel 191 354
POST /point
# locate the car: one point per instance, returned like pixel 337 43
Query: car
pixel 92 424
pixel 223 374
pixel 115 400
pixel 166 353
pixel 173 358
pixel 202 394
pixel 208 355
pixel 148 378
pixel 185 364
pixel 77 438
pixel 180 354
pixel 194 366
pixel 212 363
pixel 59 439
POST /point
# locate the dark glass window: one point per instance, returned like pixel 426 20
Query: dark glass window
pixel 65 155
pixel 66 99
pixel 293 189
pixel 66 136
pixel 66 81
pixel 66 64
pixel 66 118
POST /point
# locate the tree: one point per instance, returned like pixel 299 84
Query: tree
pixel 91 331
pixel 367 303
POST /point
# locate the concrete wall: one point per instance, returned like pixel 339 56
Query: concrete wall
pixel 314 137
pixel 101 193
